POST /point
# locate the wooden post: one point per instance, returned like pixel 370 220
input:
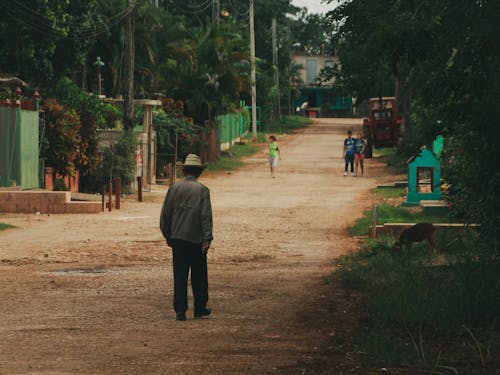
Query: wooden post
pixel 110 190
pixel 103 200
pixel 373 229
pixel 171 171
pixel 118 192
pixel 139 188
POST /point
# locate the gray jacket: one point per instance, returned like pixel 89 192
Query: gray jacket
pixel 187 212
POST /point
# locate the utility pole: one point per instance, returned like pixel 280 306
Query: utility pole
pixel 253 74
pixel 216 12
pixel 275 67
pixel 289 68
pixel 128 74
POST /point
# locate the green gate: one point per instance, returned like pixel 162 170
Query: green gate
pixel 19 163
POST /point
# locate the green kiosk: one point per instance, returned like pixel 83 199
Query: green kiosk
pixel 424 178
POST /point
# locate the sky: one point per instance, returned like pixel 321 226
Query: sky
pixel 315 6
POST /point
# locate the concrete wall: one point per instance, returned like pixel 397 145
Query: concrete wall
pixel 53 202
pixel 319 62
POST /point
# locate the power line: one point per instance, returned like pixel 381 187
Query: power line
pixel 41 23
pixel 199 6
pixel 199 10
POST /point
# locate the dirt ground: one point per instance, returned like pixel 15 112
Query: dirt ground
pixel 92 294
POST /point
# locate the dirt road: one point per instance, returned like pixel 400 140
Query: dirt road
pixel 92 294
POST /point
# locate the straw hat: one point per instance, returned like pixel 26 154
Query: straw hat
pixel 193 160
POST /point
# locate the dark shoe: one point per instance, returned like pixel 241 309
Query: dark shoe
pixel 201 314
pixel 180 316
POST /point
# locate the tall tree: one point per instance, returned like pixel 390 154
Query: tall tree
pixel 446 54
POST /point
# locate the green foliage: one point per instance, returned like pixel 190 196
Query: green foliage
pixel 287 124
pixel 412 292
pixel 175 130
pixel 231 160
pixel 179 51
pixel 112 116
pixel 384 348
pixel 119 161
pixel 92 116
pixel 29 37
pixel 445 59
pixel 63 149
pixel 389 193
pixel 388 213
pixel 4 226
pixel 7 93
pixel 60 185
pixel 394 158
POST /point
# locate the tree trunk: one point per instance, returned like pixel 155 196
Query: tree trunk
pixel 128 74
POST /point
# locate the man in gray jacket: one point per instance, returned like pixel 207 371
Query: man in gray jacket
pixel 186 224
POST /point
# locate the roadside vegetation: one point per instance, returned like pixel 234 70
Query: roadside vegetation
pixel 390 210
pixel 232 158
pixel 421 311
pixel 4 226
pixel 286 124
pixel 395 160
pixel 425 311
pixel 199 68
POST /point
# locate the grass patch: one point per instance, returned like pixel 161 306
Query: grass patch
pixel 393 214
pixel 389 193
pixel 5 226
pixel 390 156
pixel 423 307
pixel 423 310
pixel 231 159
pixel 286 124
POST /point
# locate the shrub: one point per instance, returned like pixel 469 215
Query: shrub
pixel 60 185
pixel 113 116
pixel 63 149
pixel 119 161
pixel 415 296
pixel 4 226
pixel 388 213
pixel 92 114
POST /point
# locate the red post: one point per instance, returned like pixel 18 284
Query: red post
pixel 110 189
pixel 103 200
pixel 118 192
pixel 139 188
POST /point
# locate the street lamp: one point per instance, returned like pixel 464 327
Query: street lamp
pixel 99 63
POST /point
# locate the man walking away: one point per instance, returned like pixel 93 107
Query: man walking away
pixel 186 224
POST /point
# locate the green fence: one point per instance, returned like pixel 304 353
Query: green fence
pixel 231 127
pixel 19 163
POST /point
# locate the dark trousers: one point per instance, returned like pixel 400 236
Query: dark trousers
pixel 349 159
pixel 186 256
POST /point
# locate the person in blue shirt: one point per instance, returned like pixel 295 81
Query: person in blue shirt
pixel 349 153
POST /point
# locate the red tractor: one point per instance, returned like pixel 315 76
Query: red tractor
pixel 383 126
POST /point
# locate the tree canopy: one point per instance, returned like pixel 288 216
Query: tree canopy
pixel 445 57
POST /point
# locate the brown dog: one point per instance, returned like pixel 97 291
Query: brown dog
pixel 417 233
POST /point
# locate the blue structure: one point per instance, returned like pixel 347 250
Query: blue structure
pixel 424 178
pixel 325 101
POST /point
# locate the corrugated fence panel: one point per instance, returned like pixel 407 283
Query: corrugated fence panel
pixel 28 147
pixel 231 127
pixel 19 164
